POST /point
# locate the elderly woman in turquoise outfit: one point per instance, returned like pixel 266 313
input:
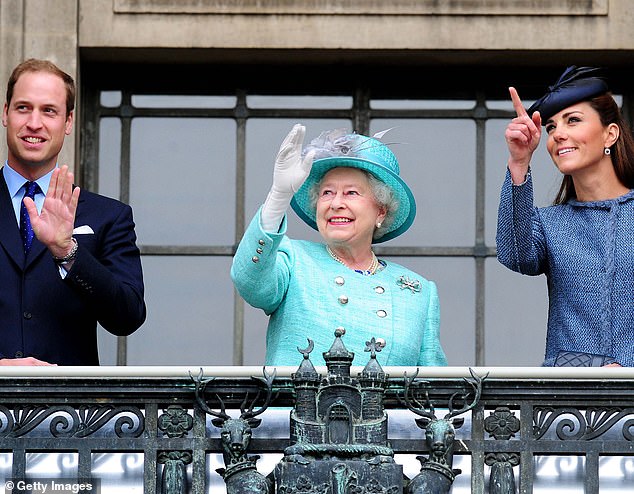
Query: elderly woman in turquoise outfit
pixel 346 186
pixel 583 242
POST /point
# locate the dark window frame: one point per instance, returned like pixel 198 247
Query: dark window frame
pixel 362 82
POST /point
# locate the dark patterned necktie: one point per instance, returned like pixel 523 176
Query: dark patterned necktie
pixel 25 222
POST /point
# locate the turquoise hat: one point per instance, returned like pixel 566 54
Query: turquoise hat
pixel 337 148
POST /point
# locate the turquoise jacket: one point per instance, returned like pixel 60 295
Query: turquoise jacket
pixel 307 294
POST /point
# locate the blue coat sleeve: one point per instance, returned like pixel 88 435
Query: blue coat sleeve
pixel 520 240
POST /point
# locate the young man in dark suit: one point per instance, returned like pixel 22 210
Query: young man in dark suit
pixel 68 259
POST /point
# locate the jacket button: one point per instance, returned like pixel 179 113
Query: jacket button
pixel 381 313
pixel 19 355
pixel 255 259
pixel 343 299
pixel 27 315
pixel 339 280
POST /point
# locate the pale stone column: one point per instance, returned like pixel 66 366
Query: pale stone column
pixel 40 29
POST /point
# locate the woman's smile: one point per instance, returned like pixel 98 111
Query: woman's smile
pixel 347 211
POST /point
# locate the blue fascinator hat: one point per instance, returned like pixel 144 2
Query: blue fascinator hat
pixel 337 148
pixel 575 84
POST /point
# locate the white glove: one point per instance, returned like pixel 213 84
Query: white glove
pixel 290 172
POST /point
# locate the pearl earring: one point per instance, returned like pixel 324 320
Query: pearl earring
pixel 378 225
pixel 607 151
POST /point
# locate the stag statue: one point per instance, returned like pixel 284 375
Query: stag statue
pixel 240 475
pixel 436 474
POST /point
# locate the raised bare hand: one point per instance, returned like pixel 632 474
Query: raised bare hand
pixel 522 136
pixel 53 226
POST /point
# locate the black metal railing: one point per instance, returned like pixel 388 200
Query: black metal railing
pixel 141 429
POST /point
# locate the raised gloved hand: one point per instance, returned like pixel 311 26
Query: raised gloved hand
pixel 290 172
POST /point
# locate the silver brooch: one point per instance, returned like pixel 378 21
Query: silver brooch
pixel 404 282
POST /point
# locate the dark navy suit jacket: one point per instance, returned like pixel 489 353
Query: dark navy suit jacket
pixel 55 319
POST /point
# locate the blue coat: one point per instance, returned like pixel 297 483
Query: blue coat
pixel 585 251
pixel 55 319
pixel 308 295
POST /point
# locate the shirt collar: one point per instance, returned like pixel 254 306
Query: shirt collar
pixel 15 181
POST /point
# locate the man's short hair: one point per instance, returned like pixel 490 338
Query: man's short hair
pixel 36 65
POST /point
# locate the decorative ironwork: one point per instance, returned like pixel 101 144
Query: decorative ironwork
pixel 502 479
pixel 573 424
pixel 139 428
pixel 436 474
pixel 339 428
pixel 175 421
pixel 66 421
pixel 502 423
pixel 338 431
pixel 240 475
pixel 174 477
pixel 303 485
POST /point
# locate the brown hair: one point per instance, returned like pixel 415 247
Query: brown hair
pixel 35 65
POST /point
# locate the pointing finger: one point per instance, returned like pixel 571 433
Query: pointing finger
pixel 517 103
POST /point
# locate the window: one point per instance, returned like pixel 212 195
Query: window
pixel 192 150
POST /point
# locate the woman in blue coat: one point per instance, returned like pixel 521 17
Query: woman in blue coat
pixel 346 186
pixel 583 242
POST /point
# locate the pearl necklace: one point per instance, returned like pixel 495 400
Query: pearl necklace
pixel 374 264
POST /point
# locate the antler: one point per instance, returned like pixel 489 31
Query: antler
pixel 476 390
pixel 200 392
pixel 410 401
pixel 249 413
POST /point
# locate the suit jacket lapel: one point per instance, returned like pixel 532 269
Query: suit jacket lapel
pixel 37 248
pixel 9 231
